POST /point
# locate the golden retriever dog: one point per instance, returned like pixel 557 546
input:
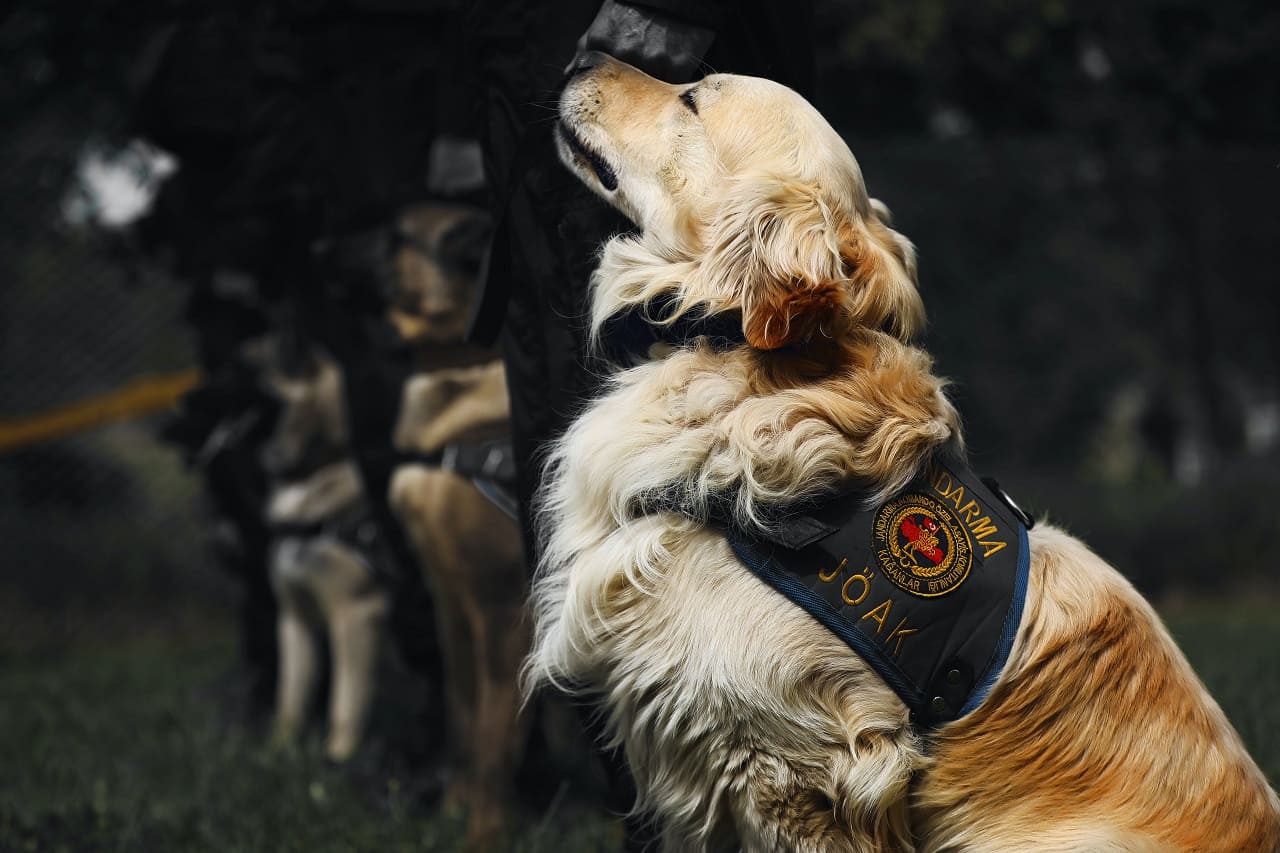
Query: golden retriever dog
pixel 469 550
pixel 747 724
pixel 319 561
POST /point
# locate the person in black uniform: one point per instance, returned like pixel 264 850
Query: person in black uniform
pixel 548 226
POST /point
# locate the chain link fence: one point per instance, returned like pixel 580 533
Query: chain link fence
pixel 1080 268
pixel 97 516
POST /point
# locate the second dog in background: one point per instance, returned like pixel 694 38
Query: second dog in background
pixel 450 493
pixel 322 550
pixel 451 430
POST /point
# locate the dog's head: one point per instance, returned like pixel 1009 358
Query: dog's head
pixel 307 384
pixel 435 256
pixel 748 194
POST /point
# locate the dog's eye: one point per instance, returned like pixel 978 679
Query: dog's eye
pixel 686 98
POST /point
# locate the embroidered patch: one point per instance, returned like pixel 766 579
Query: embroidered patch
pixel 928 587
pixel 922 545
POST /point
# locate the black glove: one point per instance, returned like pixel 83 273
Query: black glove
pixel 660 45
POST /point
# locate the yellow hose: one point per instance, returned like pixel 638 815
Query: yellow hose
pixel 140 397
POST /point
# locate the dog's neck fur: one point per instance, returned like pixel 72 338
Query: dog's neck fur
pixel 753 428
pixel 633 273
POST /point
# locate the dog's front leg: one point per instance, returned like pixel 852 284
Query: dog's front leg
pixel 853 801
pixel 354 634
pixel 499 730
pixel 299 662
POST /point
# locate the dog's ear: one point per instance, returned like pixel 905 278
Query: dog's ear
pixel 799 267
pixel 881 265
pixel 773 252
pixel 782 316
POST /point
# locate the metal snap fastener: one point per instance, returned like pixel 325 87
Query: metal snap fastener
pixel 938 705
pixel 953 676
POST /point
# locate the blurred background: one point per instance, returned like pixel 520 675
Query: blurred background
pixel 1091 187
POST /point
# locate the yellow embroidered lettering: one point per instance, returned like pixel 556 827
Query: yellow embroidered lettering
pixel 828 577
pixel 879 613
pixel 989 548
pixel 900 633
pixel 982 528
pixel 863 577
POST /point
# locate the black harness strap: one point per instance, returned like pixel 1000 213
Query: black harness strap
pixel 628 335
pixel 490 465
pixel 354 527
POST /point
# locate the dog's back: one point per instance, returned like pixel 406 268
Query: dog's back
pixel 1099 728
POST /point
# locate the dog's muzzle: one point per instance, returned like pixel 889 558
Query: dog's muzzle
pixel 603 171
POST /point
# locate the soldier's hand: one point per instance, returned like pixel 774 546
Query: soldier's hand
pixel 657 44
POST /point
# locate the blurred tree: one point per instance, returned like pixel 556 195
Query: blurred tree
pixel 1163 69
pixel 1139 212
pixel 65 78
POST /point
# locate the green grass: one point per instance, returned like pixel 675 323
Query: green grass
pixel 131 745
pixel 1236 652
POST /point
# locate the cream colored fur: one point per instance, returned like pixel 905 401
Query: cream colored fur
pixel 748 725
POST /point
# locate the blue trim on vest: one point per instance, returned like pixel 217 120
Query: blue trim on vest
pixel 1009 632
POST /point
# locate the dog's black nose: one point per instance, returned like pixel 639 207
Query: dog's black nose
pixel 583 62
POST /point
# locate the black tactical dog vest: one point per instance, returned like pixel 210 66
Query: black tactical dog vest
pixel 928 586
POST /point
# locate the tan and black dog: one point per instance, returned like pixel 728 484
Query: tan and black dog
pixel 320 559
pixel 470 551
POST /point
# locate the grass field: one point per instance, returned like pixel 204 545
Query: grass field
pixel 130 745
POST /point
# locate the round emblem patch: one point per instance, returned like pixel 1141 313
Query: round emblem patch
pixel 922 546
